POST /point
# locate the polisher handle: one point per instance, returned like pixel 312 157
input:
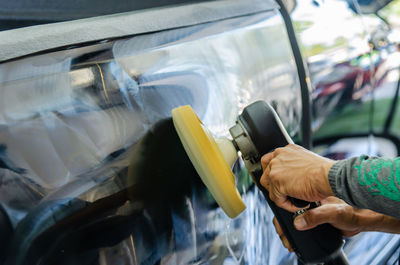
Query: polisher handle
pixel 266 131
pixel 316 245
pixel 299 203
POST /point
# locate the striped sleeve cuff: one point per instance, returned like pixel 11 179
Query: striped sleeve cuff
pixel 333 174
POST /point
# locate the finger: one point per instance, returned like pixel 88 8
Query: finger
pixel 289 206
pixel 281 200
pixel 264 181
pixel 276 196
pixel 265 159
pixel 286 243
pixel 316 216
pixel 281 235
pixel 277 226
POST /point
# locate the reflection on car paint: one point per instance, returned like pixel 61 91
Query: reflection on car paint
pixel 6 163
pixel 77 121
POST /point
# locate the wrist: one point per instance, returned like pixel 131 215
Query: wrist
pixel 326 167
pixel 373 221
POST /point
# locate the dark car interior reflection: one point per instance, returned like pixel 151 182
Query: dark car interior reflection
pixel 157 185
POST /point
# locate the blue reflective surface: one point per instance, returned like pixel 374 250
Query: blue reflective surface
pixel 74 121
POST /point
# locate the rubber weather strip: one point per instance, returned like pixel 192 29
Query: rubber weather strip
pixel 303 77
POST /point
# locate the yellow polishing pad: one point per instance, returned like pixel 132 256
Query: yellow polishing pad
pixel 208 160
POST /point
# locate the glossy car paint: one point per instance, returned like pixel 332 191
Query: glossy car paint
pixel 93 111
pixel 72 121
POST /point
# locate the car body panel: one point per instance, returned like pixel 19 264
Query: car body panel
pixel 92 171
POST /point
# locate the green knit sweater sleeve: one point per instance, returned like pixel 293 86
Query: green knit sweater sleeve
pixel 369 183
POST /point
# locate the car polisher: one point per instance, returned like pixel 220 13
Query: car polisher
pixel 258 130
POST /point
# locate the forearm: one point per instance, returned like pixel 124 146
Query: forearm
pixel 368 183
pixel 373 221
pixel 349 220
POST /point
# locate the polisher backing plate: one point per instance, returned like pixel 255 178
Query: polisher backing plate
pixel 208 160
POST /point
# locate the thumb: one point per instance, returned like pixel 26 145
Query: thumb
pixel 313 217
pixel 300 223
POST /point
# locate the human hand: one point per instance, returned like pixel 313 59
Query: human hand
pixel 347 219
pixel 293 171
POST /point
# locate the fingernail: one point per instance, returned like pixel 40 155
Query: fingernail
pixel 300 222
